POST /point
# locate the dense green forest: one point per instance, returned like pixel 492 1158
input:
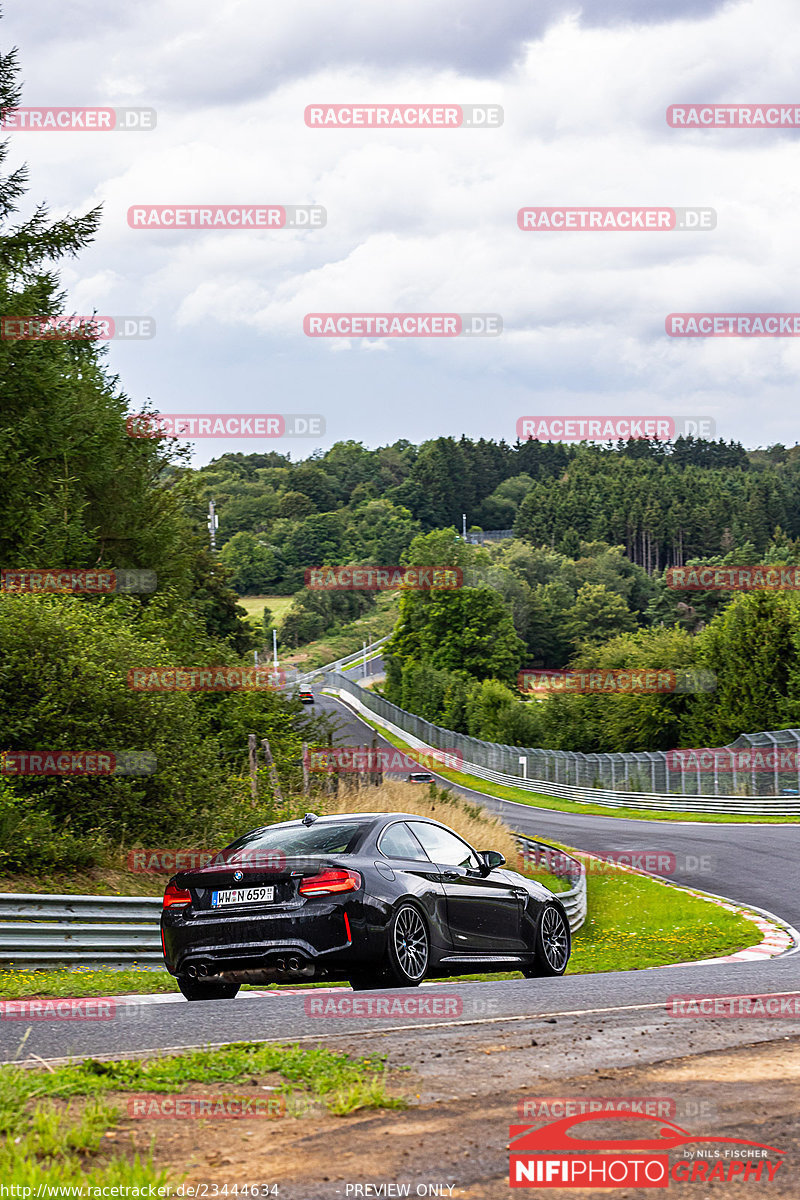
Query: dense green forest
pixel 454 658
pixel 581 582
pixel 664 503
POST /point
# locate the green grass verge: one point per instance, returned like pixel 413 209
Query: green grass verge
pixel 635 922
pixel 83 981
pixel 537 800
pixel 42 1138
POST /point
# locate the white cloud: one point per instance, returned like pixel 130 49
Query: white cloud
pixel 426 221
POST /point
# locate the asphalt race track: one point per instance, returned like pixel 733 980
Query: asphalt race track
pixel 750 864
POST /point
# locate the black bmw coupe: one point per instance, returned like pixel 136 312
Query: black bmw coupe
pixel 379 899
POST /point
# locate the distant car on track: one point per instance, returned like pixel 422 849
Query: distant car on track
pixel 379 899
pixel 306 697
pixel 420 777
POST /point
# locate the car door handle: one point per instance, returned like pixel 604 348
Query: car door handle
pixel 453 873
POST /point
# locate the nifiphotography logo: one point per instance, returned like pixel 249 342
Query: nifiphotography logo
pixel 575 1161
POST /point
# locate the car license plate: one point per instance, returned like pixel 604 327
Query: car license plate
pixel 254 895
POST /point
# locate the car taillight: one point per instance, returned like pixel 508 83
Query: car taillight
pixel 175 896
pixel 328 882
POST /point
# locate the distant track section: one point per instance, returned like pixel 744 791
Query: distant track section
pixel 422 735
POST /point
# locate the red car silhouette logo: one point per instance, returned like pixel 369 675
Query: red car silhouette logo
pixel 557 1136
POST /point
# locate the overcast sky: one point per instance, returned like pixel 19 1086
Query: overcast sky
pixel 425 220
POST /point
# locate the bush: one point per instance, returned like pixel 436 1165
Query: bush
pixel 64 666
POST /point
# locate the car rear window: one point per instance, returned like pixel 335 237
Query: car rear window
pixel 332 837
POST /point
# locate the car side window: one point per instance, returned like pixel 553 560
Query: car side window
pixel 399 842
pixel 444 847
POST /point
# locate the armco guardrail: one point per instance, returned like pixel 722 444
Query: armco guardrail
pixel 342 662
pixel 123 931
pixel 486 759
pixel 89 931
pixel 563 866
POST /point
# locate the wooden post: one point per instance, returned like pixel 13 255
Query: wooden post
pixel 273 772
pixel 377 777
pixel 305 769
pixel 252 751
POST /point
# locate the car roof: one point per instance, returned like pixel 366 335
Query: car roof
pixel 325 818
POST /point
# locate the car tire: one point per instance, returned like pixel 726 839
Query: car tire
pixel 207 989
pixel 553 944
pixel 368 981
pixel 409 949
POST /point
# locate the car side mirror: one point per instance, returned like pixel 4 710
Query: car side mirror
pixel 491 859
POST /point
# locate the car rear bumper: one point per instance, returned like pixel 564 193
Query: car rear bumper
pixel 211 943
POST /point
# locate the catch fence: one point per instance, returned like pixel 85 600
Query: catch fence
pixel 650 779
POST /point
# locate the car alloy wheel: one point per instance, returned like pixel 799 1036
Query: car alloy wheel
pixel 409 950
pixel 555 939
pixel 553 944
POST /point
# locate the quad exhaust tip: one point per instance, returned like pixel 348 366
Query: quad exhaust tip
pixel 290 965
pixel 197 970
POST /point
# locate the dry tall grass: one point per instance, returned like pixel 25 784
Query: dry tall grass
pixel 476 825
